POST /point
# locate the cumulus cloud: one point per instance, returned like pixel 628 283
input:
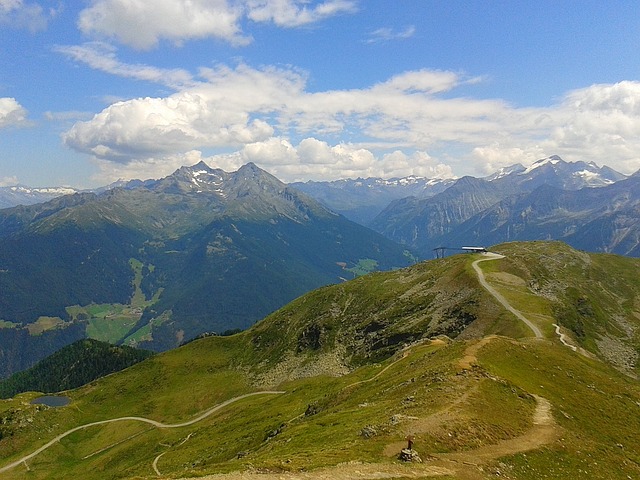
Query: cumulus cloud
pixel 410 124
pixel 128 131
pixel 600 123
pixel 21 14
pixel 143 24
pixel 11 113
pixel 318 160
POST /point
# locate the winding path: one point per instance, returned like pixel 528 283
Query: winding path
pixel 135 419
pixel 503 301
pixel 563 338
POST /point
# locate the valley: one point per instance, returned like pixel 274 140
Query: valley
pixel 155 264
pixel 489 399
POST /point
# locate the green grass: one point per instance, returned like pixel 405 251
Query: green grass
pixel 110 330
pixel 273 431
pixel 43 324
pixel 427 394
pixel 363 267
pixel 595 407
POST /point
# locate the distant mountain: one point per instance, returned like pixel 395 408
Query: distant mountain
pixel 499 204
pixel 200 250
pixel 417 222
pixel 603 219
pixel 362 199
pixel 554 171
pixel 23 195
pixel 71 367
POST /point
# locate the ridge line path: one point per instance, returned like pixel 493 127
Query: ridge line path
pixel 503 301
pixel 137 419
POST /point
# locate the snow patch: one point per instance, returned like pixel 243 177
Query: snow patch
pixel 553 160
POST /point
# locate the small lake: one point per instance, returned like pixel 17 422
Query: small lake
pixel 51 401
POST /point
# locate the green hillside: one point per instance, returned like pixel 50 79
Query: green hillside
pixel 72 366
pixel 348 371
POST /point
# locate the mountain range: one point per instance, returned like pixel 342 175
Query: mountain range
pixel 587 206
pixel 159 262
pixel 362 199
pixel 23 195
pixel 154 263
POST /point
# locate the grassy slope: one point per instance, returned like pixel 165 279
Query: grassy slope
pixel 595 297
pixel 427 393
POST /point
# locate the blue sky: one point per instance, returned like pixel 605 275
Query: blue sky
pixel 98 90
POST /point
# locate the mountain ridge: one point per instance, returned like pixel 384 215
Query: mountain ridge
pixel 201 249
pixel 459 214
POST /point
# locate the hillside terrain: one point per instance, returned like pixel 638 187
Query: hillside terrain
pixel 71 367
pixel 157 263
pixel 331 385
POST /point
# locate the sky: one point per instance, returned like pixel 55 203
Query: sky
pixel 92 91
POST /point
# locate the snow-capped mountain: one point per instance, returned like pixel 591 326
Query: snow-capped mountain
pixel 215 251
pixel 362 199
pixel 499 203
pixel 556 172
pixel 23 195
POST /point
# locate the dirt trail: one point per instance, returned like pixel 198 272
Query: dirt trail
pixel 461 465
pixel 503 301
pixel 470 354
pixel 541 433
pixel 134 419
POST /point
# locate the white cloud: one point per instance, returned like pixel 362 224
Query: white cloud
pixel 102 56
pixel 387 34
pixel 143 25
pixel 600 123
pixel 11 113
pixel 128 131
pixel 21 14
pixel 426 81
pixel 295 13
pixel 8 181
pixel 316 159
pixel 9 5
pixel 268 116
pixel 274 151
